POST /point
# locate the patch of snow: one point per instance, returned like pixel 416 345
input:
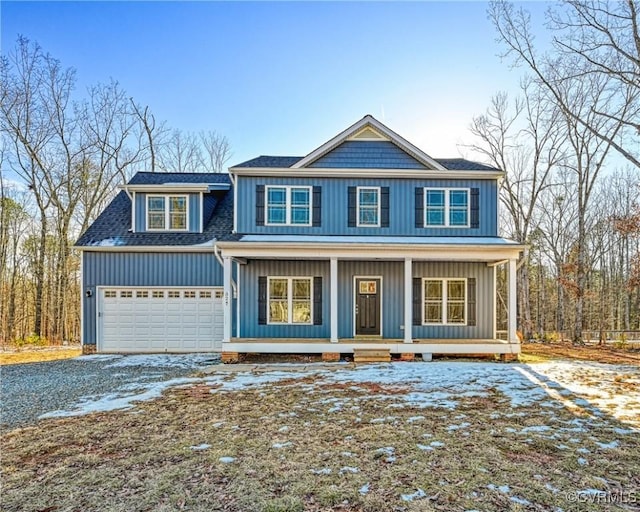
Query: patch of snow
pixel 414 419
pixel 535 428
pixel 227 460
pixel 278 446
pixel 551 488
pixel 364 489
pixel 419 494
pixel 625 431
pixel 323 471
pixel 284 428
pixel 184 361
pixel 608 446
pixel 198 447
pixel 425 447
pixel 349 469
pixel 437 444
pixel 452 428
pixel 520 501
pixel 115 401
pixel 582 461
pixel 346 454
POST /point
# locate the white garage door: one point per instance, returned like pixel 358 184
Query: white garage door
pixel 160 320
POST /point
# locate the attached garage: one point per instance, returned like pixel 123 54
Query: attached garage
pixel 177 319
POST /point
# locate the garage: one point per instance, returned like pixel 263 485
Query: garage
pixel 160 319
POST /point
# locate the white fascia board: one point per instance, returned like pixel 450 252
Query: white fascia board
pixel 317 172
pixel 369 120
pixel 370 251
pixel 172 187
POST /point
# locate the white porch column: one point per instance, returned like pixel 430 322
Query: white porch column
pixel 333 298
pixel 227 300
pixel 408 300
pixel 513 338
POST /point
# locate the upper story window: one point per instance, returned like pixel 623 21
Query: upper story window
pixel 446 207
pixel 288 206
pixel 368 206
pixel 167 213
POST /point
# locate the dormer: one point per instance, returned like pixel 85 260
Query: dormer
pixel 166 206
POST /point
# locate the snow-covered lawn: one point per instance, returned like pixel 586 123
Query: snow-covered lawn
pixel 402 436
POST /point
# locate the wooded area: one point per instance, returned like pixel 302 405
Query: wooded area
pixel 570 146
pixel 69 152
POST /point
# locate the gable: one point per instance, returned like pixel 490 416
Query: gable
pixel 367 154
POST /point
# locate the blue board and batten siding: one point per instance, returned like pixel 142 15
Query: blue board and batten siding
pixel 392 274
pixel 144 270
pixel 334 209
pixel 194 221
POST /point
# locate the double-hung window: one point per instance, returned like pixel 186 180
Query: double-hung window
pixel 444 301
pixel 289 300
pixel 368 206
pixel 288 206
pixel 446 207
pixel 167 213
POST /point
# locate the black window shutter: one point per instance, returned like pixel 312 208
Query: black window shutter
pixel 259 205
pixel 475 208
pixel 317 207
pixel 471 301
pixel 352 207
pixel 262 300
pixel 384 207
pixel 419 207
pixel 317 301
pixel 417 300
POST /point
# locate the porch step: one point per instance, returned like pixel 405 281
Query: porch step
pixel 371 355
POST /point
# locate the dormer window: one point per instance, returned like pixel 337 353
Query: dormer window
pixel 288 206
pixel 166 213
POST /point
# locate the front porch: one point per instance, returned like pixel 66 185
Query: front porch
pixel 349 345
pixel 365 295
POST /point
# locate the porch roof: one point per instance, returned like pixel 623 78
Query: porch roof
pixel 489 249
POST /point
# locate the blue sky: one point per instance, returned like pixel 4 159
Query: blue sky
pixel 282 78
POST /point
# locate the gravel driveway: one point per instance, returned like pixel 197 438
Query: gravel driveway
pixel 66 387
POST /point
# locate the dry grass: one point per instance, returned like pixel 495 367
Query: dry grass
pixel 142 459
pixel 532 352
pixel 38 355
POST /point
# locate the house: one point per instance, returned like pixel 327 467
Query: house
pixel 366 242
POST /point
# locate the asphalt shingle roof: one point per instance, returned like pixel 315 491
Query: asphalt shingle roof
pixel 452 164
pixel 112 227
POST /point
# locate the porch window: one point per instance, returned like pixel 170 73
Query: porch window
pixel 444 301
pixel 290 300
pixel 446 207
pixel 167 213
pixel 369 206
pixel 288 206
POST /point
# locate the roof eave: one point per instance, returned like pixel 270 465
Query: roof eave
pixel 318 172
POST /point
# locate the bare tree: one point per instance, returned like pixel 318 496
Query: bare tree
pixel 524 140
pixel 216 151
pixel 591 38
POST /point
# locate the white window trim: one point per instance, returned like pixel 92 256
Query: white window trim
pixel 166 212
pixel 443 301
pixel 288 205
pixel 447 218
pixel 289 280
pixel 358 189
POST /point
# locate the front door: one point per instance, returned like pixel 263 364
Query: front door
pixel 367 306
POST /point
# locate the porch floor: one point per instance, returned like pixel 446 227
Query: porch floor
pixel 347 345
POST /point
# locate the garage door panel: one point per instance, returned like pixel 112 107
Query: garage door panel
pixel 160 320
